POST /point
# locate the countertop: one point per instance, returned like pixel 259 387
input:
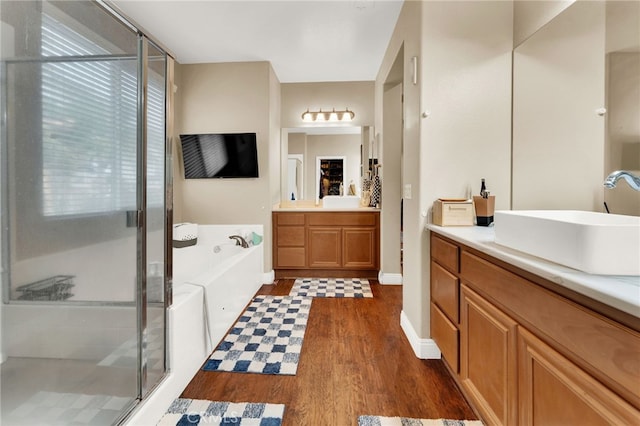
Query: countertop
pixel 620 292
pixel 310 206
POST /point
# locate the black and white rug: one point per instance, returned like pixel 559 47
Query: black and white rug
pixel 267 338
pixel 405 421
pixel 191 412
pixel 331 287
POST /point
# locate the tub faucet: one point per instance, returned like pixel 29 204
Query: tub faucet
pixel 239 241
pixel 612 179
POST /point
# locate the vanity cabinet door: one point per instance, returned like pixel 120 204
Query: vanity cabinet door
pixel 553 390
pixel 325 247
pixel 488 362
pixel 360 248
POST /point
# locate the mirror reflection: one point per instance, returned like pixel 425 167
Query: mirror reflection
pixel 622 136
pixel 325 161
pixel 576 109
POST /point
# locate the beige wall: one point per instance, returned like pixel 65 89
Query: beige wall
pixel 464 83
pixel 275 145
pixel 297 143
pixel 355 95
pixel 230 97
pixel 531 15
pixel 467 90
pixel 405 43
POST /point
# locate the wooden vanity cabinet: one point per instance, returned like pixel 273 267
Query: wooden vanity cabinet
pixel 325 247
pixel 531 352
pixel 339 244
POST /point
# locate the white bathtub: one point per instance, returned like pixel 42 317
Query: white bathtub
pixel 228 274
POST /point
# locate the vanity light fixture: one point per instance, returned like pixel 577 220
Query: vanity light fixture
pixel 328 116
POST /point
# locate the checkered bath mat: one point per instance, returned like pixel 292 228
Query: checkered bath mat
pixel 331 287
pixel 187 412
pixel 267 338
pixel 405 421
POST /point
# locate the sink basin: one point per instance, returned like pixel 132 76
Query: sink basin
pixel 596 243
pixel 341 202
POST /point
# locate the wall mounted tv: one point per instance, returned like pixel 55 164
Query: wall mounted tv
pixel 220 155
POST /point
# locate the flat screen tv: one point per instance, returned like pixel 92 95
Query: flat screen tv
pixel 220 155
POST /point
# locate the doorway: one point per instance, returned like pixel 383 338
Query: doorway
pixel 391 173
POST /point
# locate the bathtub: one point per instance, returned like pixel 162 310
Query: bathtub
pixel 229 276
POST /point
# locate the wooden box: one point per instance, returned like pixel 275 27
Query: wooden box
pixel 453 212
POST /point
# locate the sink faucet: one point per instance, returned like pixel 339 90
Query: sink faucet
pixel 612 179
pixel 239 241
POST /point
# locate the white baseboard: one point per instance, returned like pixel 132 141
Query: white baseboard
pixel 423 348
pixel 384 278
pixel 268 277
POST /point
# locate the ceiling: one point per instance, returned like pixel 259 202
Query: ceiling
pixel 305 40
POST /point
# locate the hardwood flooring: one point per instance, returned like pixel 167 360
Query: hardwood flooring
pixel 355 361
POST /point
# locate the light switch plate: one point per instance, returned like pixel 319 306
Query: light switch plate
pixel 407 191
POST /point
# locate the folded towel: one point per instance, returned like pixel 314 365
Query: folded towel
pixel 255 239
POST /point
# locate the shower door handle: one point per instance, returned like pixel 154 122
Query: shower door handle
pixel 134 218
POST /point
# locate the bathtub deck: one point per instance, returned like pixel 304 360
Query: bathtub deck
pixel 355 361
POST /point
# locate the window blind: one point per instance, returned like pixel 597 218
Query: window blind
pixel 89 122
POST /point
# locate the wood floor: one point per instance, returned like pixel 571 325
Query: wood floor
pixel 355 361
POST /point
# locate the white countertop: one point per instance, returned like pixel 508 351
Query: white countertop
pixel 620 292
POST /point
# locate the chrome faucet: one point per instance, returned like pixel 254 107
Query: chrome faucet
pixel 613 178
pixel 239 241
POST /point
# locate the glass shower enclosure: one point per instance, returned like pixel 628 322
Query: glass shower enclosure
pixel 85 213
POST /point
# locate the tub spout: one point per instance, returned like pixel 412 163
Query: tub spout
pixel 239 241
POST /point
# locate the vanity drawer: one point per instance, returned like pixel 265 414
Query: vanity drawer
pixel 290 236
pixel 289 218
pixel 445 334
pixel 445 253
pixel 343 219
pixel 291 257
pixel 445 291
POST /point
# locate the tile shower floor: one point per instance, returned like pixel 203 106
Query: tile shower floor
pixel 24 381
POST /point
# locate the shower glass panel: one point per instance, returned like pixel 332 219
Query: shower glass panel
pixel 83 201
pixel 154 337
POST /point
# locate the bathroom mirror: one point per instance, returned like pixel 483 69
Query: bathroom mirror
pixel 576 97
pixel 310 143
